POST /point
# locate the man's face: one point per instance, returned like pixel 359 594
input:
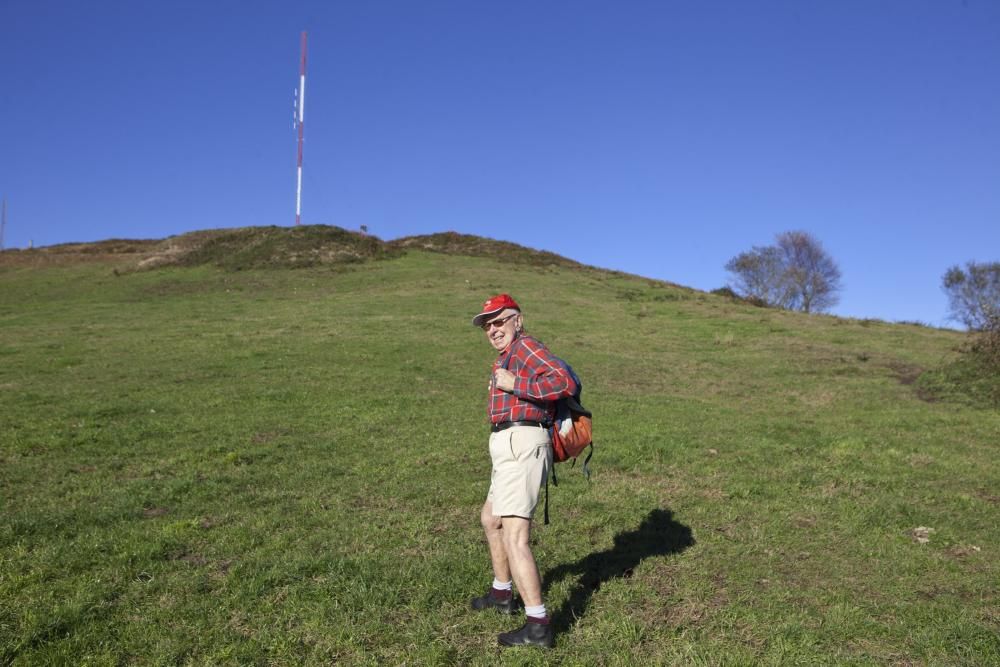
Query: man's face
pixel 502 328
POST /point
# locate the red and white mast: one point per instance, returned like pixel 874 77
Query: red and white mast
pixel 300 122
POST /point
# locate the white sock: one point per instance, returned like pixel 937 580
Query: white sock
pixel 500 586
pixel 537 612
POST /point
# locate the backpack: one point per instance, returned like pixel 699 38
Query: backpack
pixel 573 430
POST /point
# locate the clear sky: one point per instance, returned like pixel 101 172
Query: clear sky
pixel 656 137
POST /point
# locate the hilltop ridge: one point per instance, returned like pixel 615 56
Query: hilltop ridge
pixel 275 247
pixel 230 248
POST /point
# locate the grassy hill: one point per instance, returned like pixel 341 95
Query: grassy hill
pixel 209 458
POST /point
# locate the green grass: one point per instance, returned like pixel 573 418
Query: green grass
pixel 286 467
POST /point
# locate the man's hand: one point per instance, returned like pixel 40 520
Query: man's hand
pixel 503 380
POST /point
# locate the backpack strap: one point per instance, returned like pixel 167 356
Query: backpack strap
pixel 510 353
pixel 586 462
pixel 547 500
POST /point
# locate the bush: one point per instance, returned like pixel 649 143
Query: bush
pixel 986 346
pixel 727 292
pixel 752 300
pixel 975 376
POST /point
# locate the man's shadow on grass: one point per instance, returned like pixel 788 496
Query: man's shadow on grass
pixel 657 535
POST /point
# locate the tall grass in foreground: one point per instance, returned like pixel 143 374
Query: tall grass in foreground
pixel 285 467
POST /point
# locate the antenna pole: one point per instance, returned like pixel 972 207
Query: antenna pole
pixel 300 121
pixel 3 222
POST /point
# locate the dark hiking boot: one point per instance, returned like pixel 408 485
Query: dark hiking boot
pixel 504 605
pixel 530 634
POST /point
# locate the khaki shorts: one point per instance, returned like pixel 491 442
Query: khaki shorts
pixel 522 456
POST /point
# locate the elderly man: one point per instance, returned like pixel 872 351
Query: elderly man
pixel 523 387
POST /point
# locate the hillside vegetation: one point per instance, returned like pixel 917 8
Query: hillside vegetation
pixel 273 248
pixel 209 458
pixel 232 249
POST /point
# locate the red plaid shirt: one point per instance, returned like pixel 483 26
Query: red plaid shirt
pixel 539 383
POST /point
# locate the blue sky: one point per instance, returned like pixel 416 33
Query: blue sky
pixel 659 138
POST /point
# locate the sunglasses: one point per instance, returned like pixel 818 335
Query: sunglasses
pixel 497 323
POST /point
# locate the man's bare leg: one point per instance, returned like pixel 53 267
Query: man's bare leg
pixel 500 596
pixel 493 527
pixel 515 534
pixel 537 630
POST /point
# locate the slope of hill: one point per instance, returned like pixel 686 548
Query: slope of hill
pixel 211 466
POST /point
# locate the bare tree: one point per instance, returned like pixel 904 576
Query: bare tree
pixel 796 273
pixel 973 294
pixel 813 275
pixel 758 275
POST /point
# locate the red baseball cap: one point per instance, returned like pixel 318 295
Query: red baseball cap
pixel 493 306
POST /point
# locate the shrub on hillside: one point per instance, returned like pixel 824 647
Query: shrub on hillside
pixel 975 376
pixel 729 293
pixel 986 346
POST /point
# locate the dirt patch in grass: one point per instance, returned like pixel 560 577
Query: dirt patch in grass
pixel 153 512
pixel 963 551
pixel 208 523
pixel 991 498
pixel 220 568
pixel 905 373
pixel 910 375
pixel 190 558
pixel 713 494
pixel 264 437
pixel 692 612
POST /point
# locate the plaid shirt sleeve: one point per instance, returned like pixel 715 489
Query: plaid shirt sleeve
pixel 539 382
